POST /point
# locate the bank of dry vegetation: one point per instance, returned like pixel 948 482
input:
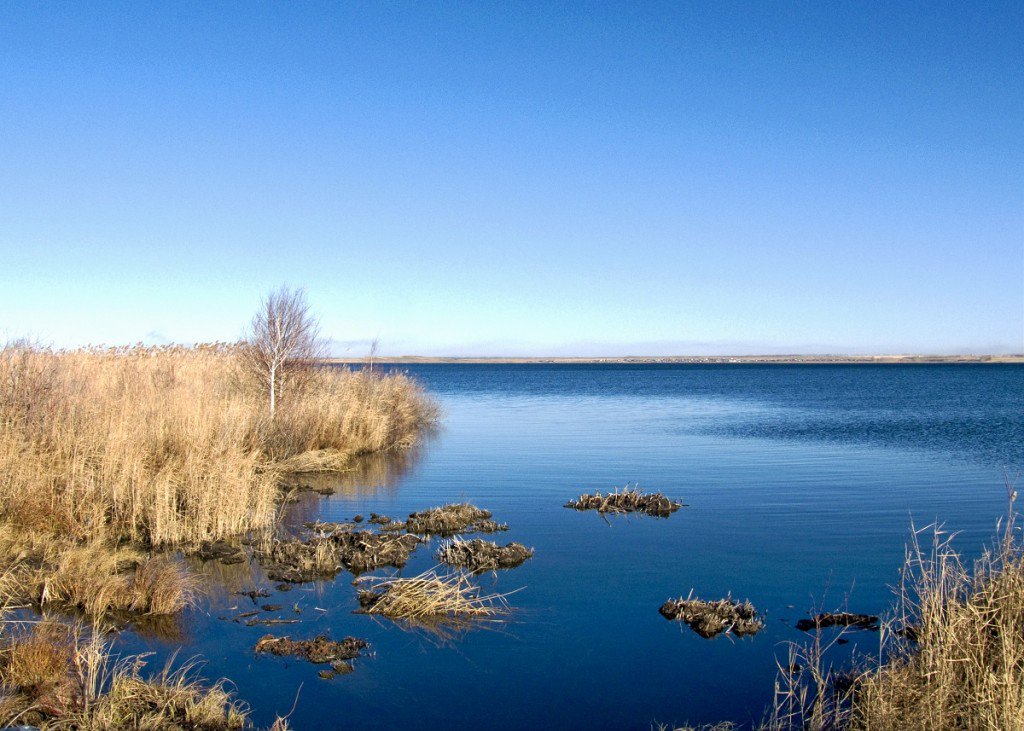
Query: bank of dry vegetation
pixel 58 674
pixel 951 657
pixel 162 446
pixel 112 458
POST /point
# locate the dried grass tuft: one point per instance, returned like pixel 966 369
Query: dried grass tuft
pixel 712 618
pixel 430 596
pixel 479 555
pixel 452 519
pixel 627 500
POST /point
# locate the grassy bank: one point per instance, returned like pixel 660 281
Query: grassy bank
pixel 107 454
pixel 108 458
pixel 951 655
pixel 60 676
pixel 954 653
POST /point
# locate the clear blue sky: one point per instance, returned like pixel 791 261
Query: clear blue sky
pixel 514 178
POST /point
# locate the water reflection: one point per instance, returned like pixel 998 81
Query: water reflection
pixel 369 475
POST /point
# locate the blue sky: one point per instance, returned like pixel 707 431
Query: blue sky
pixel 516 178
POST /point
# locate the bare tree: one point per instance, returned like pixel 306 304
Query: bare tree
pixel 373 352
pixel 282 342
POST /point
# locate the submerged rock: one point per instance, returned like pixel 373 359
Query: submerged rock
pixel 320 650
pixel 839 619
pixel 627 500
pixel 221 551
pixel 479 555
pixel 711 618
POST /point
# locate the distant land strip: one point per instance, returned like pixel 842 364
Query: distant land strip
pixel 701 359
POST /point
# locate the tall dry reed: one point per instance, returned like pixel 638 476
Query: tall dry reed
pixel 162 446
pixel 950 657
pixel 955 653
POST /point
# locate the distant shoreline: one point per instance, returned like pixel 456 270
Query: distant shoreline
pixel 702 359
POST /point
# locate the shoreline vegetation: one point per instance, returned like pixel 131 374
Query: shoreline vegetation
pixel 951 652
pixel 116 461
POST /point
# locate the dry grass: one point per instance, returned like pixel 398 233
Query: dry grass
pixel 965 669
pixel 99 580
pixel 429 596
pixel 154 447
pixel 172 699
pixel 39 657
pixel 951 657
pixel 171 445
pixel 58 676
pixel 630 499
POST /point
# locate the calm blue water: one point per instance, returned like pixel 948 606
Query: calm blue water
pixel 801 482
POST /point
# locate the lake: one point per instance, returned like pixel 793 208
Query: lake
pixel 801 484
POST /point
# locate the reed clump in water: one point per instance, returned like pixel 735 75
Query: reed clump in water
pixel 94 577
pixel 627 500
pixel 323 556
pixel 951 657
pixel 712 618
pixel 431 596
pixel 479 555
pixel 452 519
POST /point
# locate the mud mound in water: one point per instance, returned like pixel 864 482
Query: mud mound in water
pixel 363 551
pixel 452 519
pixel 296 561
pixel 222 551
pixel 479 555
pixel 711 618
pixel 627 500
pixel 320 650
pixel 324 556
pixel 839 619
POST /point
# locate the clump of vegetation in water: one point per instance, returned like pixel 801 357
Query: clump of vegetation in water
pixel 479 555
pixel 324 556
pixel 453 519
pixel 627 500
pixel 963 663
pixel 712 618
pixel 430 596
pixel 320 650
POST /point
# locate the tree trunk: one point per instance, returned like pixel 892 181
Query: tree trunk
pixel 273 389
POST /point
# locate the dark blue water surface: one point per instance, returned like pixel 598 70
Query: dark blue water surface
pixel 801 484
